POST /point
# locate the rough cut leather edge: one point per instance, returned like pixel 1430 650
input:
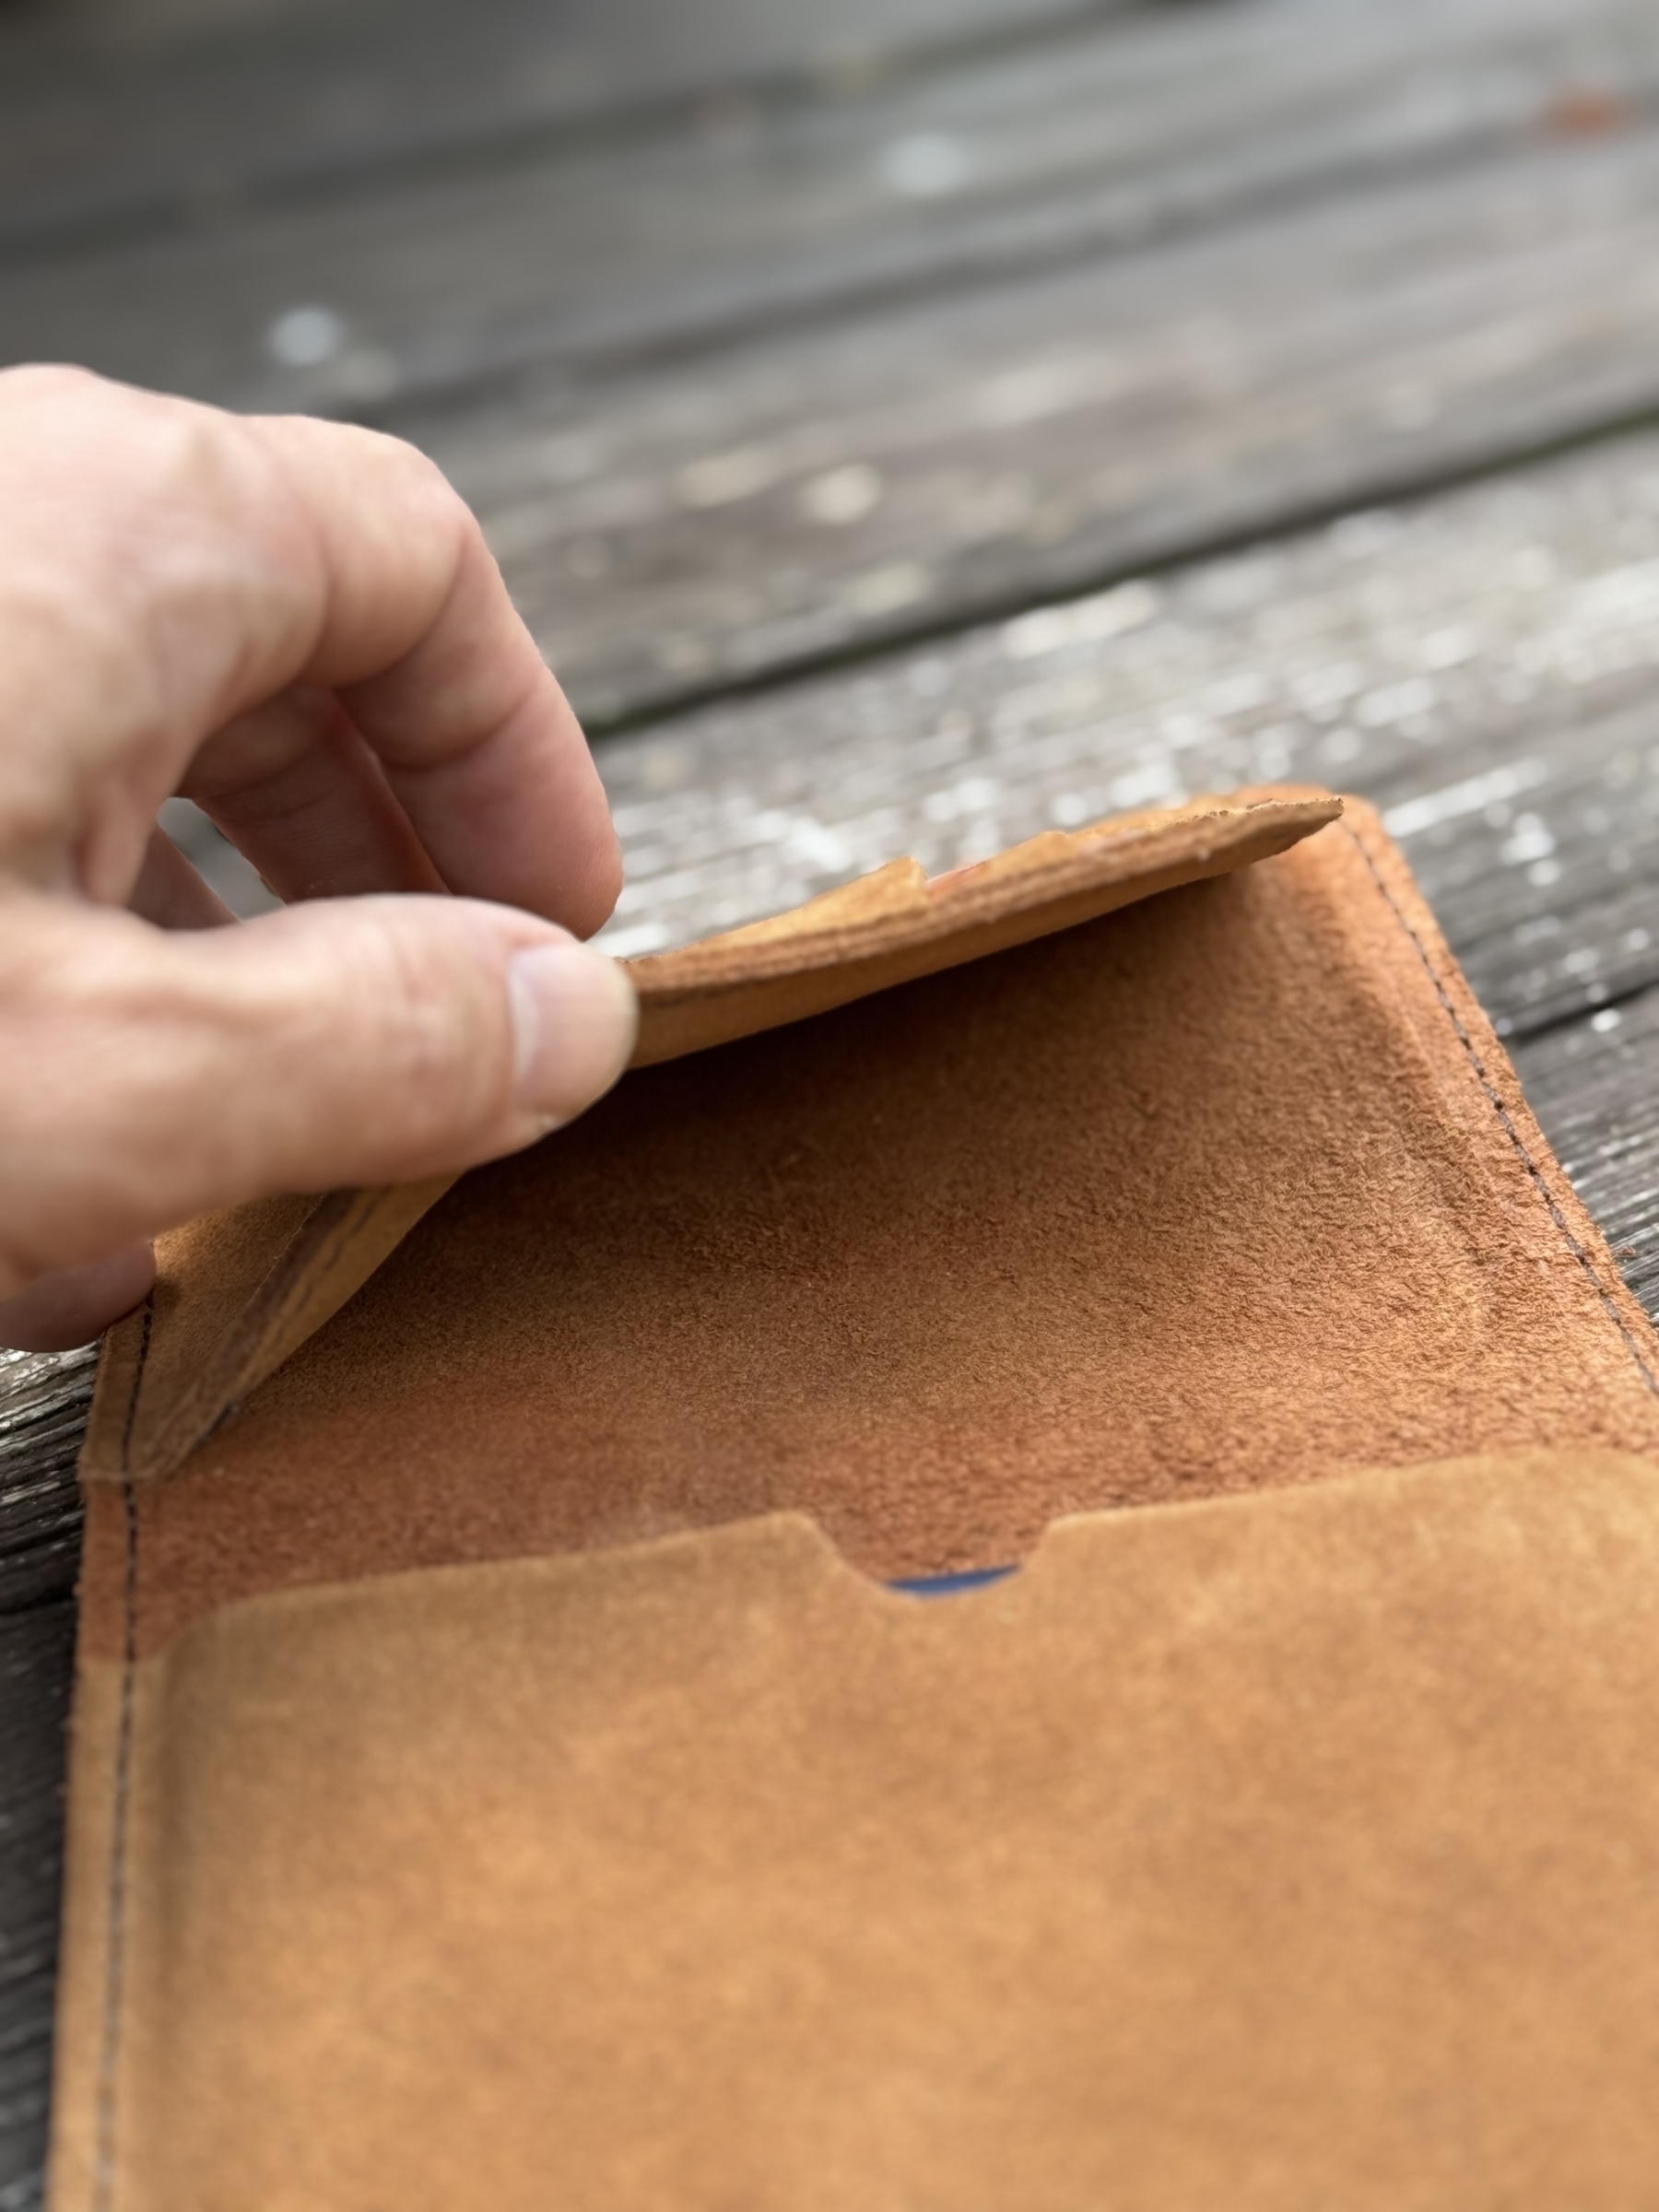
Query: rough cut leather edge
pixel 891 927
pixel 896 925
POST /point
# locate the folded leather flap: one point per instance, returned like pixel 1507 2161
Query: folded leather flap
pixel 238 1292
pixel 235 1294
pixel 1295 1850
pixel 897 924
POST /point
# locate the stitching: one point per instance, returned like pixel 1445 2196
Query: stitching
pixel 103 2184
pixel 1506 1121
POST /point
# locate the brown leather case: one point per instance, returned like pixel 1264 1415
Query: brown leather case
pixel 506 1774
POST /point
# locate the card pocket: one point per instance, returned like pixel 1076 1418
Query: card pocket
pixel 1292 1849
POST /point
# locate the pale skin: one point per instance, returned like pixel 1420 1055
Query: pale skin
pixel 298 624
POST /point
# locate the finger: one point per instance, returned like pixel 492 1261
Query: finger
pixel 486 756
pixel 294 788
pixel 75 1304
pixel 222 560
pixel 171 893
pixel 338 1042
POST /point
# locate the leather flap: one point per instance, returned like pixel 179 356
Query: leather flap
pixel 897 924
pixel 237 1293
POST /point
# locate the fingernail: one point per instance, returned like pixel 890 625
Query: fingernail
pixel 575 1018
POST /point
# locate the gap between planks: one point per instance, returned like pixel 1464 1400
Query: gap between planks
pixel 1483 663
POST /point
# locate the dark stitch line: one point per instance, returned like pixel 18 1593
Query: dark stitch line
pixel 1496 1098
pixel 103 2172
pixel 115 1959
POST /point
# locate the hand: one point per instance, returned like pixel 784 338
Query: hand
pixel 299 626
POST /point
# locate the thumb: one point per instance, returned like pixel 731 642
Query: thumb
pixel 72 1305
pixel 146 1076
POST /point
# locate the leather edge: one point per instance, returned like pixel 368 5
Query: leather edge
pixel 898 927
pixel 343 1240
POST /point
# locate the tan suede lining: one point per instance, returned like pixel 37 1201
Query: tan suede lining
pixel 1299 1848
pixel 237 1292
pixel 1290 1853
pixel 1232 1189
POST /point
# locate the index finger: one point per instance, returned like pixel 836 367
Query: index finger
pixel 168 567
pixel 420 640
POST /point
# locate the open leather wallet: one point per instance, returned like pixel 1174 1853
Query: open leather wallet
pixel 513 1766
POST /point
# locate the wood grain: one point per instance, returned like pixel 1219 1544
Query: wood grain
pixel 36 1667
pixel 42 1411
pixel 794 494
pixel 736 212
pixel 810 497
pixel 1594 1083
pixel 43 1402
pixel 123 119
pixel 1484 665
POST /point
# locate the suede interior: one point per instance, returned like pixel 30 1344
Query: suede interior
pixel 1232 1189
pixel 237 1292
pixel 1259 1856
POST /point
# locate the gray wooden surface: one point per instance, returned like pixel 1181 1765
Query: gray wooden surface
pixel 912 425
pixel 42 1410
pixel 955 165
pixel 131 118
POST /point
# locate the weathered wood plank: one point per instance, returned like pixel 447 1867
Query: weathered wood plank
pixel 1485 664
pixel 811 496
pixel 758 507
pixel 42 1411
pixel 1594 1083
pixel 731 215
pixel 1550 888
pixel 36 1667
pixel 43 1402
pixel 108 126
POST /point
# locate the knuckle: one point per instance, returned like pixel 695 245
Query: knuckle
pixel 44 383
pixel 432 510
